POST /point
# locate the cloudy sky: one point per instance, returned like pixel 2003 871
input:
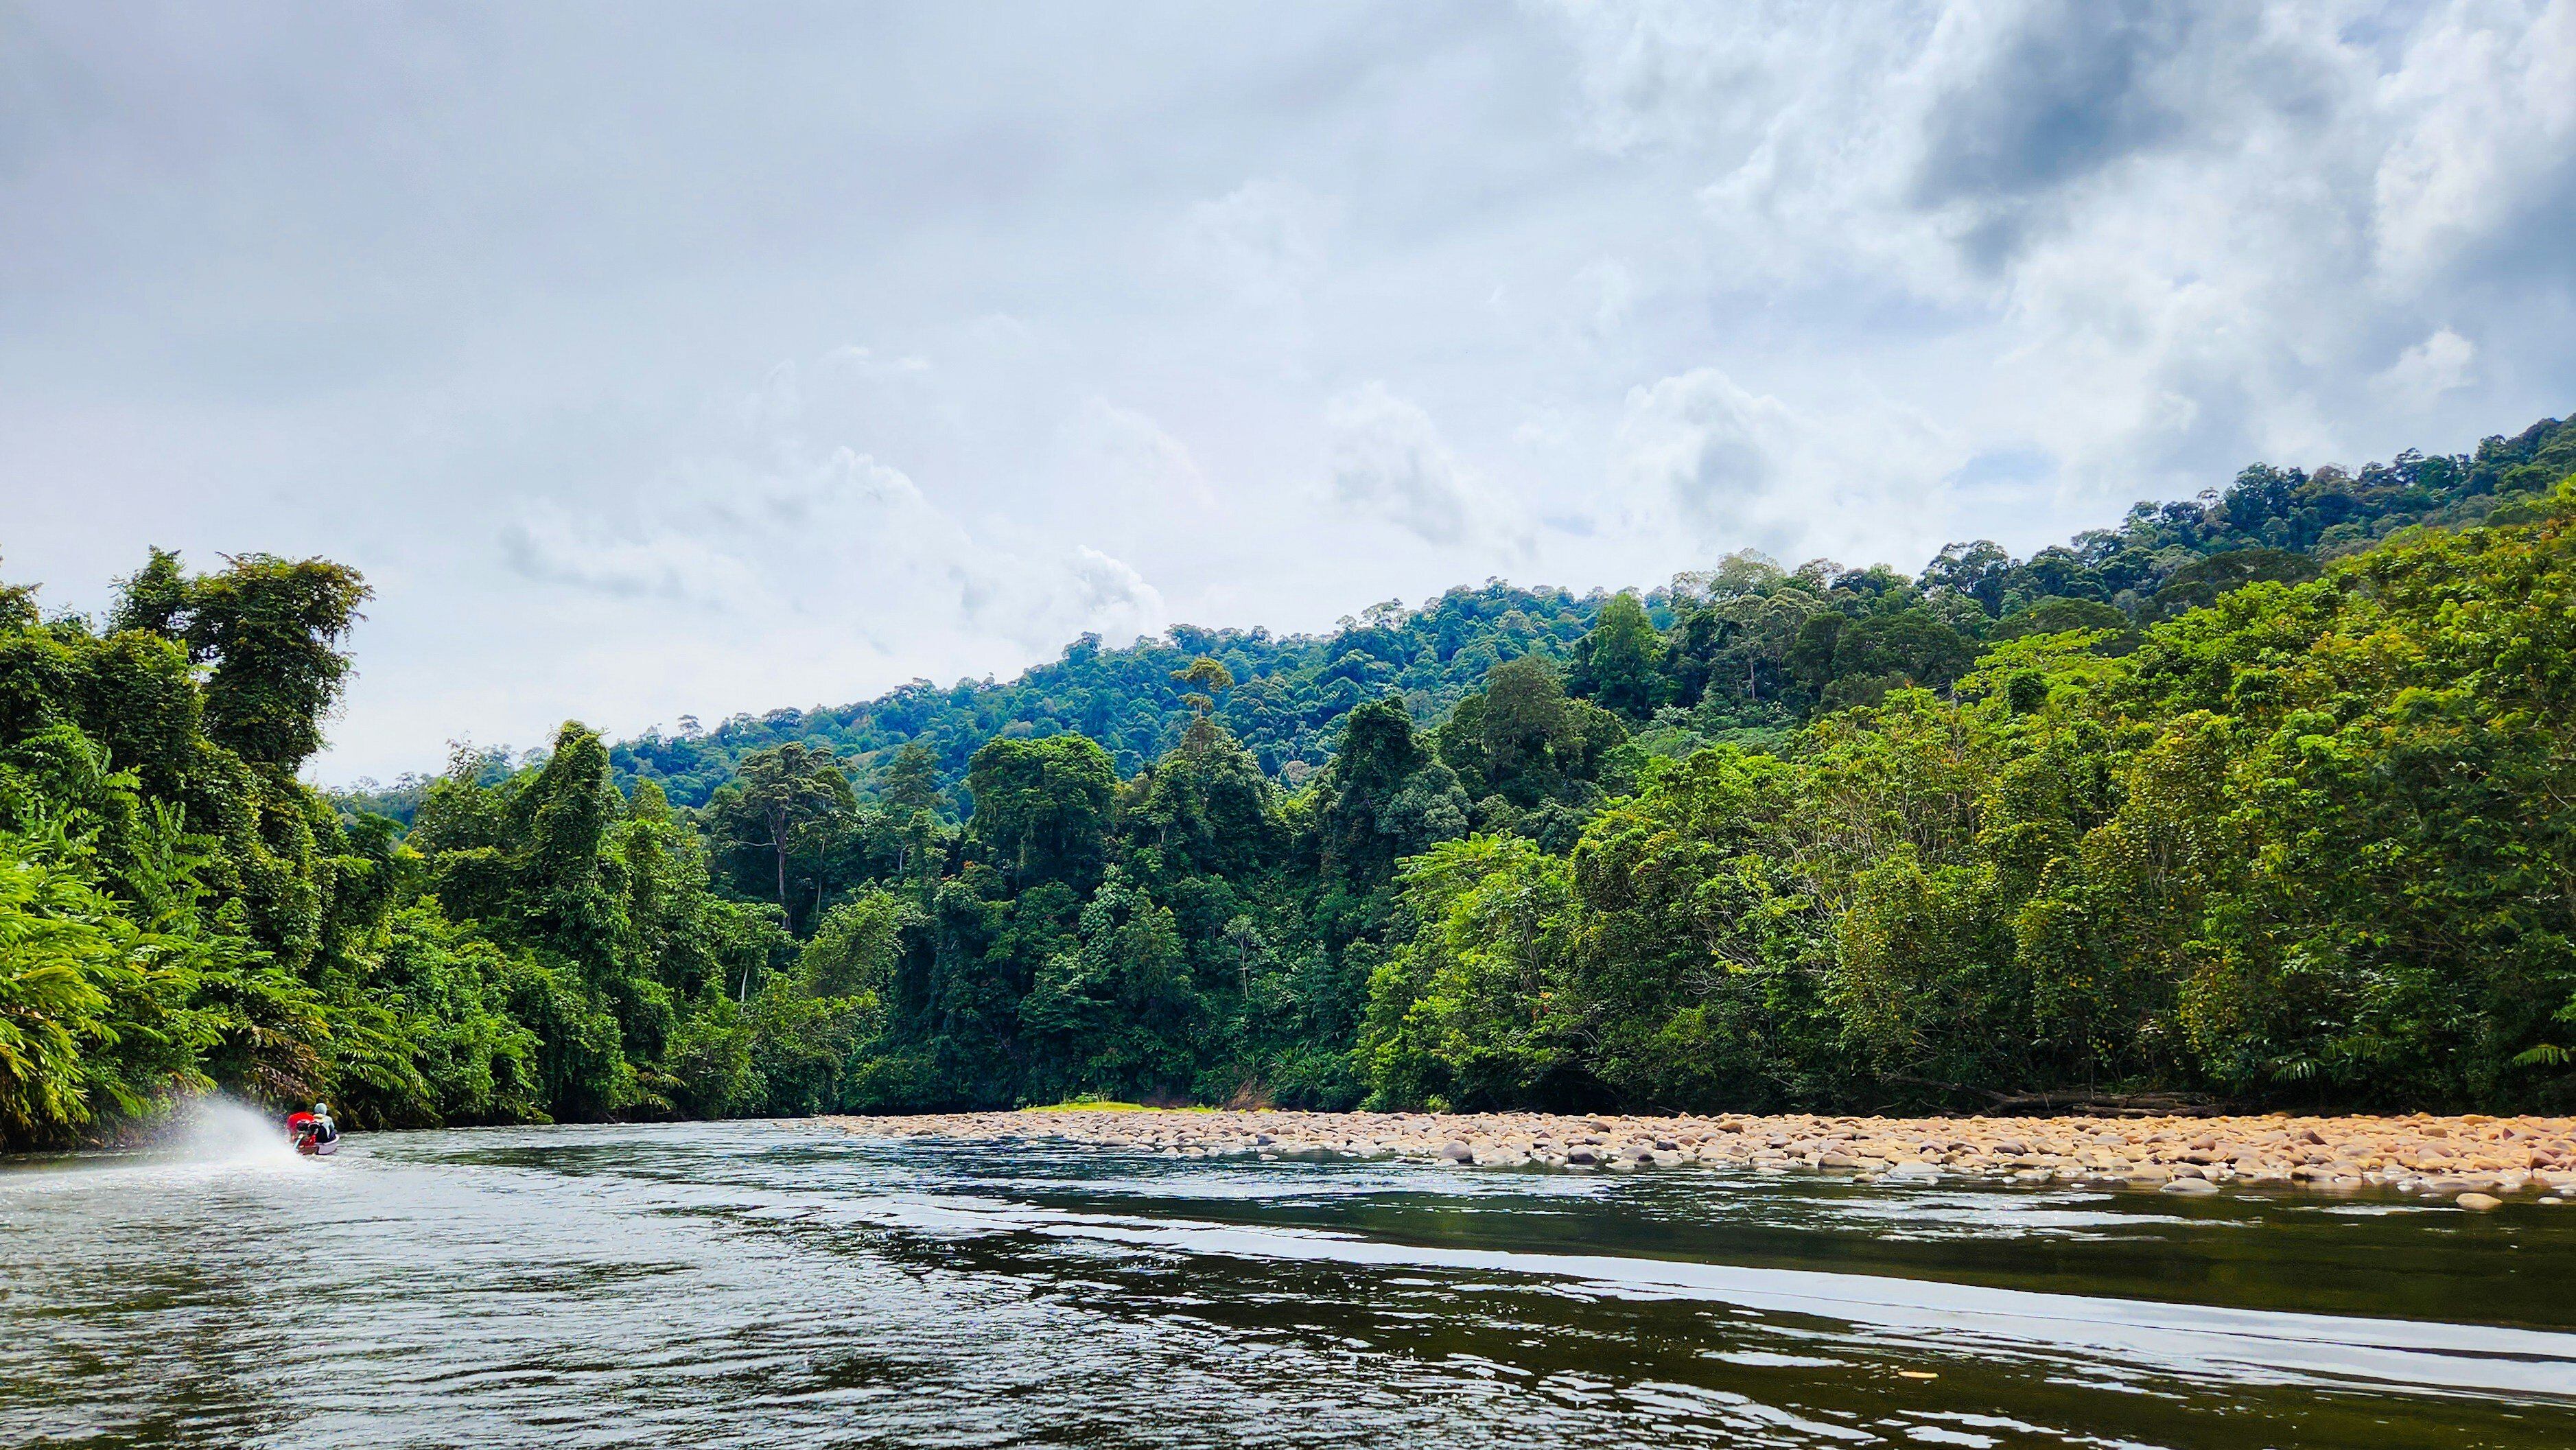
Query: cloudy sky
pixel 662 359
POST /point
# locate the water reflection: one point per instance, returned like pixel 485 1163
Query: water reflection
pixel 756 1284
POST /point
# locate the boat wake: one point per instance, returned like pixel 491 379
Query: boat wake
pixel 218 1131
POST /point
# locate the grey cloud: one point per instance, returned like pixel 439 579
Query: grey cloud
pixel 2070 87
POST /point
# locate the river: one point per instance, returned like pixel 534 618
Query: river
pixel 764 1284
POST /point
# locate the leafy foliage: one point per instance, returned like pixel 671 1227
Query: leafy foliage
pixel 1283 696
pixel 2309 842
pixel 2262 795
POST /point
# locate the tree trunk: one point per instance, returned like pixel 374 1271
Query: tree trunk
pixel 778 843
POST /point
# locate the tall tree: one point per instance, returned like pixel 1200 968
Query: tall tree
pixel 1619 664
pixel 910 781
pixel 272 628
pixel 1384 797
pixel 1042 807
pixel 1207 678
pixel 786 799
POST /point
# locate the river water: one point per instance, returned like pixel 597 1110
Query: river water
pixel 765 1284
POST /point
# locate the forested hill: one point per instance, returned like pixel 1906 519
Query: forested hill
pixel 1756 635
pixel 2153 813
pixel 1289 695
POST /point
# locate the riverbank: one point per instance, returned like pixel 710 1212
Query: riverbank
pixel 2471 1158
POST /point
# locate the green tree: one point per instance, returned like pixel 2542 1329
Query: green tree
pixel 1042 808
pixel 1116 1013
pixel 788 803
pixel 910 782
pixel 856 949
pixel 1208 678
pixel 1619 664
pixel 1384 797
pixel 271 628
pixel 1206 807
pixel 1522 739
pixel 1469 1013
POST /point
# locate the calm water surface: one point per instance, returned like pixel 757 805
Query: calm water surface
pixel 775 1284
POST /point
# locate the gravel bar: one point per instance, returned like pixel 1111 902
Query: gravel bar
pixel 2473 1160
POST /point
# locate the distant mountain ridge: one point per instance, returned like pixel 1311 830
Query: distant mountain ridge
pixel 1289 695
pixel 1292 691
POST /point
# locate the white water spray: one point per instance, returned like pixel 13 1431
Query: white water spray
pixel 221 1130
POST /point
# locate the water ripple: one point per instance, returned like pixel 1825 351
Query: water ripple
pixel 750 1284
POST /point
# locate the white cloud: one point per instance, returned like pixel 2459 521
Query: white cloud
pixel 1610 289
pixel 1265 239
pixel 1739 469
pixel 836 546
pixel 1079 308
pixel 2482 116
pixel 865 362
pixel 1122 449
pixel 1115 600
pixel 1675 74
pixel 1714 449
pixel 1389 459
pixel 2437 365
pixel 547 544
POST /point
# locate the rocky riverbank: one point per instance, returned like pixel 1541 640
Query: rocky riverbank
pixel 2470 1159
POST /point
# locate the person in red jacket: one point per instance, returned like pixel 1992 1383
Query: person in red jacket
pixel 314 1132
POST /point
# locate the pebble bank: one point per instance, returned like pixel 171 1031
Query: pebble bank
pixel 2475 1161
